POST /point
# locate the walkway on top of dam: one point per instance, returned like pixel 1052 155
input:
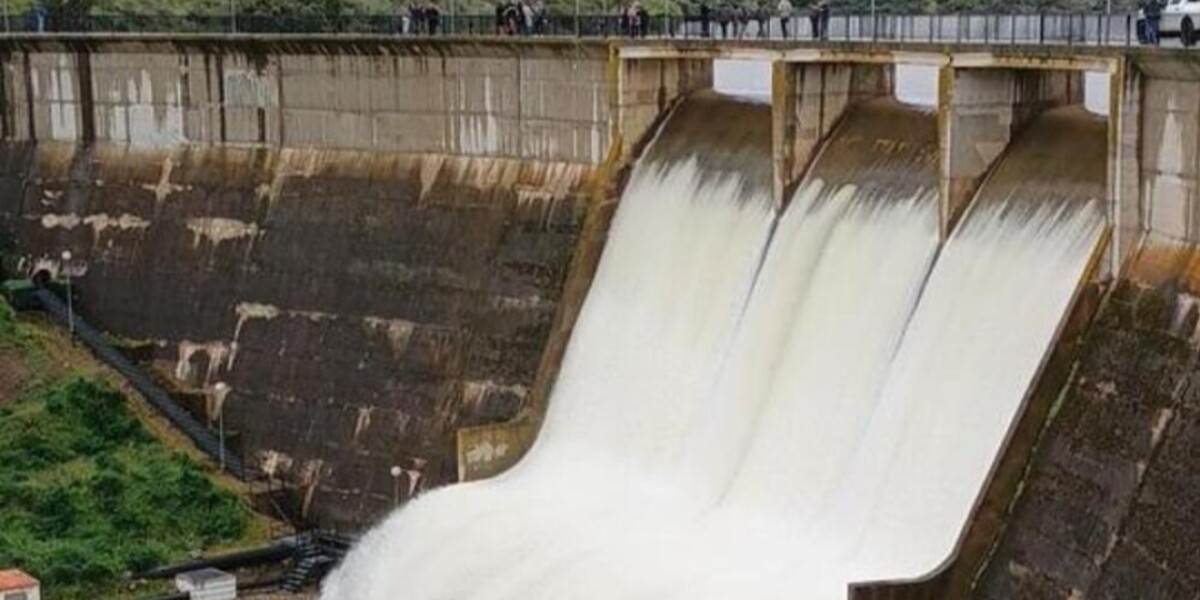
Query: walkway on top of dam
pixel 1057 29
pixel 1171 62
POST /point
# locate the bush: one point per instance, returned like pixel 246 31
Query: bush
pixel 10 329
pixel 88 495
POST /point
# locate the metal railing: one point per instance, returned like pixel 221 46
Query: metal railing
pixel 1047 28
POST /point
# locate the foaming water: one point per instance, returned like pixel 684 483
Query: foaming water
pixel 687 239
pixel 762 410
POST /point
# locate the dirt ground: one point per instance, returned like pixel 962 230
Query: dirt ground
pixel 14 376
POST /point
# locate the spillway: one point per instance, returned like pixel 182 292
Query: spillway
pixel 760 407
pixel 687 240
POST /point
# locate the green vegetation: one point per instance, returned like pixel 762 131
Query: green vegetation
pixel 87 494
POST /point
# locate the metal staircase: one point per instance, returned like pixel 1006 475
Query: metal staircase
pixel 314 557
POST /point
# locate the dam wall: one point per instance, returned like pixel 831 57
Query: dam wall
pixel 367 243
pixel 381 245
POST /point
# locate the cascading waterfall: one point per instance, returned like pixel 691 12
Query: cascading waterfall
pixel 751 409
pixel 688 237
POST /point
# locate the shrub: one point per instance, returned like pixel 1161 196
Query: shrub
pixel 86 494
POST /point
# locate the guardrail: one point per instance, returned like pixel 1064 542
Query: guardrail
pixel 1046 28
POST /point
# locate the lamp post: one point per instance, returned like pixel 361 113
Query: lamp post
pixel 66 269
pixel 396 473
pixel 874 21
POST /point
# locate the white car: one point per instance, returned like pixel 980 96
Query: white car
pixel 1181 18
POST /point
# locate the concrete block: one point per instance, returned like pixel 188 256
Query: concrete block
pixel 1170 141
pixel 1171 95
pixel 421 94
pixel 247 87
pixel 306 90
pixel 1169 201
pixel 242 125
pixel 403 132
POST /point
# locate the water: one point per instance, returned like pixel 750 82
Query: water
pixel 761 409
pixel 672 286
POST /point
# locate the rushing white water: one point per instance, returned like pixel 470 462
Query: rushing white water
pixel 651 339
pixel 732 426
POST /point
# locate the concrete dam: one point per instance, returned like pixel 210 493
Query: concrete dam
pixel 674 343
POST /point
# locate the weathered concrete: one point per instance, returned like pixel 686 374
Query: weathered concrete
pixel 810 98
pixel 1124 164
pixel 983 109
pixel 649 86
pixel 367 241
pixel 527 102
pixel 362 307
pixel 1108 505
pixel 382 243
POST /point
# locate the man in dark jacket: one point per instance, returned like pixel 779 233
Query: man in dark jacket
pixel 724 16
pixel 433 18
pixel 1152 10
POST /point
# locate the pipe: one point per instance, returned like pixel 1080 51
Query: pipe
pixel 273 553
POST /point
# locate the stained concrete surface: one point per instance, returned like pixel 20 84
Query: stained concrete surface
pixel 362 307
pixel 1109 502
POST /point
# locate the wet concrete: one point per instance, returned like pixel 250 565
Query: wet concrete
pixel 362 306
pixel 1107 509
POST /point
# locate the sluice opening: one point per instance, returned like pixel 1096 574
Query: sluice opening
pixel 917 84
pixel 743 78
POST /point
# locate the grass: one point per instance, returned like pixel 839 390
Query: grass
pixel 88 490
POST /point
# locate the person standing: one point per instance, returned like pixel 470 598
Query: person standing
pixel 762 14
pixel 785 15
pixel 40 16
pixel 1152 10
pixel 539 17
pixel 724 16
pixel 705 20
pixel 741 18
pixel 814 19
pixel 433 18
pixel 823 14
pixel 416 19
pixel 526 18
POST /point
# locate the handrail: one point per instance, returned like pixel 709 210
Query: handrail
pixel 1043 28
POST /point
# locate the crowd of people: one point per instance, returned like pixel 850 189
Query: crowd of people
pixel 727 20
pixel 733 20
pixel 422 19
pixel 521 17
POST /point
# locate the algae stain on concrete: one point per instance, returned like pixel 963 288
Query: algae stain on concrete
pixel 218 353
pixel 252 310
pixel 216 230
pixel 398 332
pixel 164 188
pixel 99 223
